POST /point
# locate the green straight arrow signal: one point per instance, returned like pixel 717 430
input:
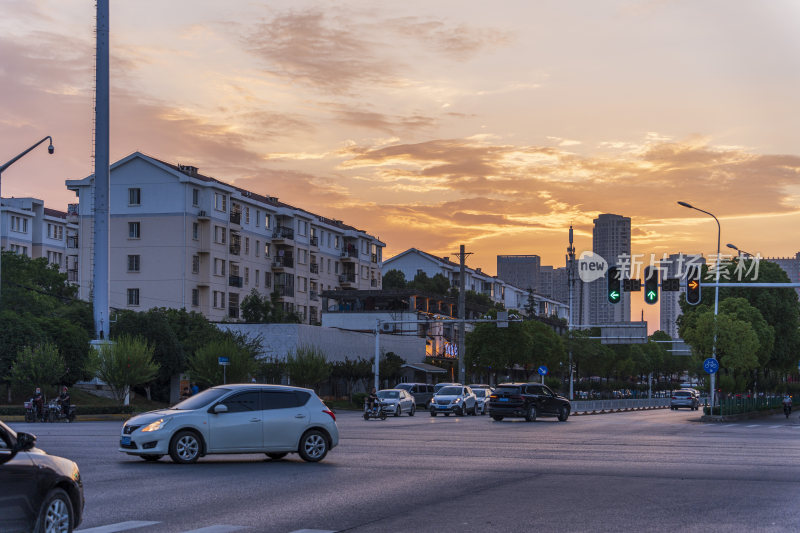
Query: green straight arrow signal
pixel 651 295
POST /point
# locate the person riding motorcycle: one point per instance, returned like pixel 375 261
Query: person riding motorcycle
pixel 64 400
pixel 787 404
pixel 373 399
pixel 38 403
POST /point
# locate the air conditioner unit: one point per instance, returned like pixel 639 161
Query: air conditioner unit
pixel 387 328
pixel 201 214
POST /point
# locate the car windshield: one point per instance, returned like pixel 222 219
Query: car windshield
pixel 404 386
pixel 201 399
pixel 449 391
pixel 388 394
pixel 480 393
pixel 506 390
pixel 683 393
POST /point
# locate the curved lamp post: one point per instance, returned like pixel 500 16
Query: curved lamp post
pixel 50 150
pixel 741 252
pixel 716 296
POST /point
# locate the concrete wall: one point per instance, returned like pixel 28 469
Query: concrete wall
pixel 278 340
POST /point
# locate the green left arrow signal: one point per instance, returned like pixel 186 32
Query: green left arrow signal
pixel 613 295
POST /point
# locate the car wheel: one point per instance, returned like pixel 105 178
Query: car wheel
pixel 563 414
pixel 413 410
pixel 433 413
pixel 55 514
pixel 462 411
pixel 530 416
pixel 398 411
pixel 184 448
pixel 275 456
pixel 497 418
pixel 313 446
pixel 151 458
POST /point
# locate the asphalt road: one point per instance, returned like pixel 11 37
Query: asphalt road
pixel 638 471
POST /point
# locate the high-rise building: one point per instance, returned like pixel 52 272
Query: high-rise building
pixel 790 265
pixel 180 239
pixel 674 266
pixel 611 239
pixel 519 270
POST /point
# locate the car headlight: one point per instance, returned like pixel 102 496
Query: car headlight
pixel 155 426
pixel 457 400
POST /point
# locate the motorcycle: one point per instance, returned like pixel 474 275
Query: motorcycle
pixel 56 412
pixel 787 409
pixel 375 411
pixel 30 411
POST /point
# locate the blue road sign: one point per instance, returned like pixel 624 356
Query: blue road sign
pixel 542 370
pixel 224 361
pixel 711 365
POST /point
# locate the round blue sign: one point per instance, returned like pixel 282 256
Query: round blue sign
pixel 711 365
pixel 542 370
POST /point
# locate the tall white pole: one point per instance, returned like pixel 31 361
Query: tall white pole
pixel 377 352
pixel 102 177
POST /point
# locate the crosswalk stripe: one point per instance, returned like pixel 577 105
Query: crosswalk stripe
pixel 120 526
pixel 313 531
pixel 222 528
pixel 753 426
pixel 773 427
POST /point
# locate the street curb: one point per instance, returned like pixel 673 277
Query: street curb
pixel 621 410
pixel 740 416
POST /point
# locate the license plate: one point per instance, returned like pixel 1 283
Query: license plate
pixel 125 441
pixel 503 399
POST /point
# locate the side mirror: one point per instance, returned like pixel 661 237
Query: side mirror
pixel 220 408
pixel 25 442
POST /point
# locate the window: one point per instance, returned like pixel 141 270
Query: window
pixel 267 279
pixel 336 242
pixel 247 215
pixel 220 202
pixel 195 197
pixel 195 264
pixel 267 221
pixel 283 399
pixel 302 227
pixel 134 230
pixel 257 277
pixel 258 218
pixel 219 234
pixel 247 246
pixel 302 256
pixel 195 297
pixel 135 196
pixel 19 224
pixel 301 283
pixel 219 267
pixel 195 231
pixel 336 264
pixel 54 231
pixel 258 247
pixel 219 299
pixel 133 296
pixel 244 401
pixel 329 266
pixel 247 275
pixel 133 263
pixel 54 258
pixel 266 250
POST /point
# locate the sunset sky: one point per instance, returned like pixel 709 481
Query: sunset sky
pixel 436 123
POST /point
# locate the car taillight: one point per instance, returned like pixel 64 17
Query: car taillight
pixel 493 396
pixel 329 412
pixel 674 397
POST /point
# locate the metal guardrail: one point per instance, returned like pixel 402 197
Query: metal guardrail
pixel 610 406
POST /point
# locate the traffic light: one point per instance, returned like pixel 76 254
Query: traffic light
pixel 650 285
pixel 693 285
pixel 614 293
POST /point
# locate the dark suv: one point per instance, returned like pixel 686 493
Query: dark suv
pixel 527 400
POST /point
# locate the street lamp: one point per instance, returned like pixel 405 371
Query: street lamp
pixel 741 252
pixel 50 150
pixel 716 296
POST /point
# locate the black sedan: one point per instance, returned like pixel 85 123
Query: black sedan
pixel 38 492
pixel 527 400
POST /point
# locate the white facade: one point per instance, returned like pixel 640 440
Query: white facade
pixel 413 261
pixel 180 239
pixel 28 227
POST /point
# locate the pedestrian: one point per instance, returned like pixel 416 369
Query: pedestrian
pixel 195 389
pixel 185 395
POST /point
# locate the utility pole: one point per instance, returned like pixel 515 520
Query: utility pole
pixel 462 313
pixel 571 281
pixel 100 290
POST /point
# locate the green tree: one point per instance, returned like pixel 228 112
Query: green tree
pixel 33 285
pixel 491 350
pixel 394 279
pixel 530 305
pixel 308 367
pixel 124 363
pixel 205 370
pixel 390 367
pixel 38 366
pixel 737 342
pixel 352 371
pixel 255 308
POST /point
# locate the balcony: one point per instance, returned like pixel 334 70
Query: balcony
pixel 284 290
pixel 235 281
pixel 236 218
pixel 350 253
pixel 235 249
pixel 282 261
pixel 72 241
pixel 348 278
pixel 314 267
pixel 314 241
pixel 282 233
pixel 314 296
pixel 233 312
pixel 373 283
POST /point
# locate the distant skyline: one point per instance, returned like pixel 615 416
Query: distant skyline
pixel 432 124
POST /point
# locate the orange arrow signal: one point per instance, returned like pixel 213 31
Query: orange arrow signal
pixel 693 284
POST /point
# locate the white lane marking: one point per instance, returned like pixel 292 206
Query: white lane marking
pixel 313 531
pixel 752 426
pixel 773 427
pixel 120 526
pixel 222 528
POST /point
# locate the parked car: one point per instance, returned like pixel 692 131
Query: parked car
pixel 440 386
pixel 397 401
pixel 247 418
pixel 38 492
pixel 482 397
pixel 684 398
pixel 456 399
pixel 422 392
pixel 527 400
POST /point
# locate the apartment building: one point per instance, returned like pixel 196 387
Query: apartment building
pixel 181 239
pixel 413 261
pixel 29 228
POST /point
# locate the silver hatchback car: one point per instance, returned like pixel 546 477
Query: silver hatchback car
pixel 271 419
pixel 684 398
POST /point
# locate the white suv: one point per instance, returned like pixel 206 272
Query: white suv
pixel 270 419
pixel 456 399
